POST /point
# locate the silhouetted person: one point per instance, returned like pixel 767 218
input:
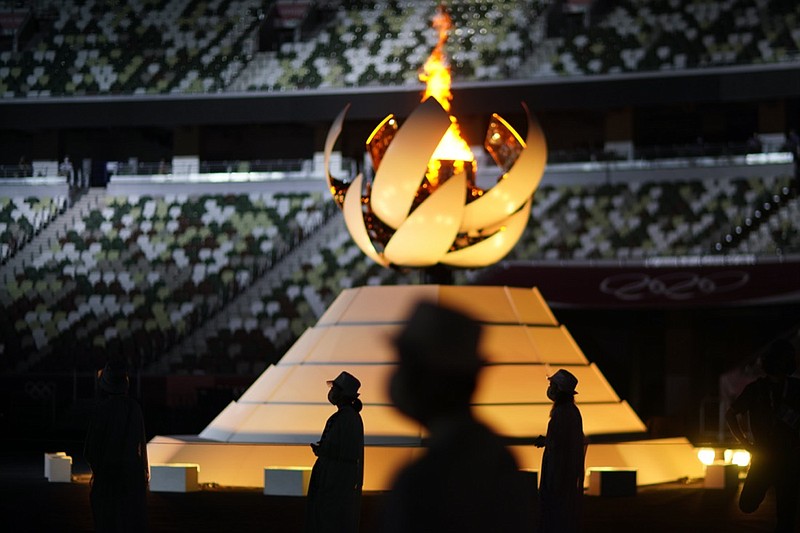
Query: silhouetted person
pixel 66 170
pixel 772 404
pixel 116 449
pixel 24 168
pixel 792 143
pixel 754 144
pixel 561 485
pixel 334 491
pixel 467 481
pixel 793 146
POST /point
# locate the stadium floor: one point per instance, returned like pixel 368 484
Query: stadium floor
pixel 29 503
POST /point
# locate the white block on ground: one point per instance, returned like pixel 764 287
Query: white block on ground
pixel 58 467
pixel 286 481
pixel 178 477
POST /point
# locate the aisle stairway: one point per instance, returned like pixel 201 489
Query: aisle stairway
pixel 267 284
pixel 58 227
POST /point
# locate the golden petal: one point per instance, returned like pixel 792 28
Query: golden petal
pixel 380 139
pixel 515 188
pixel 429 231
pixel 493 248
pixel 404 164
pixel 337 187
pixel 354 220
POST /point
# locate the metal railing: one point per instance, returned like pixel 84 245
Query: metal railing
pixel 579 155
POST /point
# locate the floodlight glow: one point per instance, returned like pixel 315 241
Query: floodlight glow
pixel 706 455
pixel 741 458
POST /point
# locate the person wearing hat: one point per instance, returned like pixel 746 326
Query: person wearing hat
pixel 334 491
pixel 116 450
pixel 772 406
pixel 466 481
pixel 561 485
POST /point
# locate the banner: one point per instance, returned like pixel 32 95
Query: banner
pixel 658 283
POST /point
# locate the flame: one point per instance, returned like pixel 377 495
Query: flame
pixel 436 71
pixel 436 75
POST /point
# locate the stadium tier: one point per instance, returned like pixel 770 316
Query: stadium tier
pixel 637 220
pixel 22 218
pixel 136 274
pixel 128 48
pixel 209 283
pixel 176 46
pixel 639 35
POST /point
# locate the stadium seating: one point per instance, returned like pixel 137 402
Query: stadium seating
pixel 22 218
pixel 637 35
pixel 638 220
pixel 258 334
pixel 136 274
pixel 139 275
pixel 171 46
pixel 583 222
pixel 143 46
pixel 372 43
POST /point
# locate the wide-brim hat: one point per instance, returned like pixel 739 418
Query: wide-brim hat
pixel 440 340
pixel 113 380
pixel 565 381
pixel 348 384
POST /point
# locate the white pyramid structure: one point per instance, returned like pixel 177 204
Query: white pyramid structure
pixel 286 407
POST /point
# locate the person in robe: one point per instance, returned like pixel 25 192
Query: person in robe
pixel 116 450
pixel 561 484
pixel 765 419
pixel 334 491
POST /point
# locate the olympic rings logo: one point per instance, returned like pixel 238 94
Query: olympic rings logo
pixel 39 390
pixel 677 286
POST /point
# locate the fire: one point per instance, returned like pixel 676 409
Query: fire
pixel 436 75
pixel 436 71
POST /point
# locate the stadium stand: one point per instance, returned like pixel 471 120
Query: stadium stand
pixel 266 321
pixel 138 273
pixel 139 47
pixel 180 46
pixel 225 283
pixel 638 35
pixel 636 220
pixel 22 218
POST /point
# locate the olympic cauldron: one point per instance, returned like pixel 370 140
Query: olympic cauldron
pixel 422 207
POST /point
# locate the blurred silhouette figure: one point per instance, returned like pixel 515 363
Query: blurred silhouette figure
pixel 561 486
pixel 66 170
pixel 163 167
pixel 772 404
pixel 334 491
pixel 793 146
pixel 754 144
pixel 24 168
pixel 116 450
pixel 467 480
